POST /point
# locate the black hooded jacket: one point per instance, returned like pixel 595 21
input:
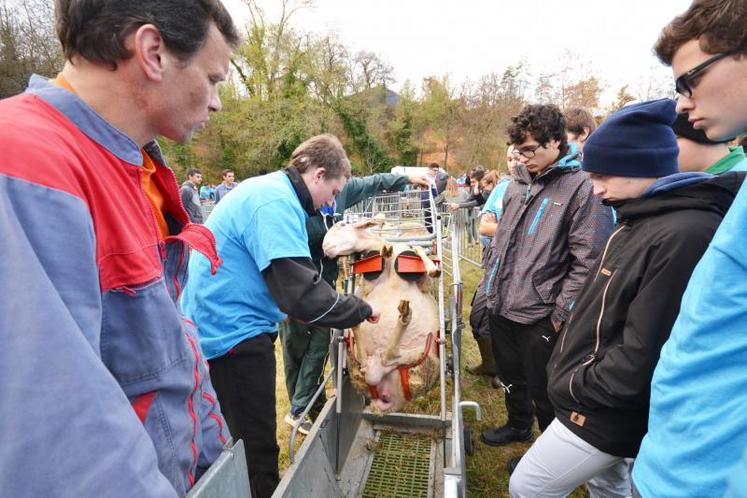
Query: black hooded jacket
pixel 599 376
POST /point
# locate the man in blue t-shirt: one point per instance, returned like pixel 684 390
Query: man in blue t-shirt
pixel 696 426
pixel 267 272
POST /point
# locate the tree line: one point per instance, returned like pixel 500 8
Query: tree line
pixel 287 84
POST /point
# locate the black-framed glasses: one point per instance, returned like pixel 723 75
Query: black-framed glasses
pixel 684 84
pixel 528 152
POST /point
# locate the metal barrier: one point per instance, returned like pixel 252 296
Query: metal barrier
pixel 464 225
pixel 226 478
pixel 207 208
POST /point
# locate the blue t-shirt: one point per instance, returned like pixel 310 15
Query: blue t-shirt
pixel 494 204
pixel 697 428
pixel 260 221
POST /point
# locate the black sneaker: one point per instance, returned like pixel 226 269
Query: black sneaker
pixel 512 464
pixel 504 435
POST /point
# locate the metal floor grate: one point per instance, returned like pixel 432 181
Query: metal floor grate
pixel 401 467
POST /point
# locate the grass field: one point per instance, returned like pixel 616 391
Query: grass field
pixel 486 470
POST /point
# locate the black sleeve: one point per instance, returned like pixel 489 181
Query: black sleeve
pixel 475 200
pixel 300 292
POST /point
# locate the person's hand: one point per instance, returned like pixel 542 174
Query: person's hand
pixel 489 217
pixel 453 206
pixel 375 315
pixel 418 180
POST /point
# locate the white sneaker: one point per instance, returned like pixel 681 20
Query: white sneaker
pixel 304 426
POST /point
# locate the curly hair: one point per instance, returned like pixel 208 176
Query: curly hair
pixel 544 122
pixel 719 25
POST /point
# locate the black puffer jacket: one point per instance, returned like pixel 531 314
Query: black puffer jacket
pixel 600 372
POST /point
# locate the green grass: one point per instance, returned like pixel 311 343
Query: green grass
pixel 486 470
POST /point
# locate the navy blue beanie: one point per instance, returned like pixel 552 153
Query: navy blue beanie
pixel 636 141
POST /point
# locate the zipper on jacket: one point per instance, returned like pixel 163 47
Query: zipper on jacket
pixel 599 321
pixel 538 215
pixel 607 246
pixel 592 357
pixel 151 208
pixel 601 266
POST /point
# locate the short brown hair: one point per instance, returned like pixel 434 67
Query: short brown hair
pixel 718 24
pixel 578 119
pixel 225 172
pixel 322 151
pixel 491 177
pixel 96 29
pixel 478 173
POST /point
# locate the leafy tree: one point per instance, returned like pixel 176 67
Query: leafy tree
pixel 27 44
pixel 622 99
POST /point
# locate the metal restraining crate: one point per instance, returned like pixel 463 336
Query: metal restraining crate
pixel 351 452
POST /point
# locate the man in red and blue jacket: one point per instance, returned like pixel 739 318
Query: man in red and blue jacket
pixel 104 388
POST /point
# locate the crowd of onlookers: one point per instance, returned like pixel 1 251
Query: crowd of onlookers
pixel 139 342
pixel 619 325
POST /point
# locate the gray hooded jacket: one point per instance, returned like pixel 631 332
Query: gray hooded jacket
pixel 550 233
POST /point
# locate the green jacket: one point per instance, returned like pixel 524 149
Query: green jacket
pixel 356 190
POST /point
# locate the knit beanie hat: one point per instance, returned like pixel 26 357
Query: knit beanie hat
pixel 683 128
pixel 636 141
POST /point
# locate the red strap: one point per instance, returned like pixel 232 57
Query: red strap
pixel 350 342
pixel 403 375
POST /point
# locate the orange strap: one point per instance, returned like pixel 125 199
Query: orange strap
pixel 404 374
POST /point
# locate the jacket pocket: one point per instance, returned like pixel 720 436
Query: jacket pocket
pixel 538 216
pixel 547 288
pixel 141 332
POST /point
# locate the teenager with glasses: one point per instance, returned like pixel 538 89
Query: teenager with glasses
pixel 551 230
pixel 696 428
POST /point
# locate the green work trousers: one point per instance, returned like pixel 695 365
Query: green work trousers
pixel 305 350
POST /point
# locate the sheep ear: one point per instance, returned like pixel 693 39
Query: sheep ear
pixel 369 223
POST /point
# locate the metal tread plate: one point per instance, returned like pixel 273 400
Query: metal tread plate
pixel 402 466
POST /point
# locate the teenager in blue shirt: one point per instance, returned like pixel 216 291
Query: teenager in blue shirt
pixel 697 429
pixel 267 273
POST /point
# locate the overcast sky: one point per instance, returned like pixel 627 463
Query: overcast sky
pixel 469 38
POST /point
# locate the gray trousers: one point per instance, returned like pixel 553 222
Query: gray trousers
pixel 559 461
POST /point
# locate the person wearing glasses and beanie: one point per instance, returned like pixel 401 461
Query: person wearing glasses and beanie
pixel 600 373
pixel 697 430
pixel 551 231
pixel 700 153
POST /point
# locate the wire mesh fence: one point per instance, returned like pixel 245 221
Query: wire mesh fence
pixel 407 212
